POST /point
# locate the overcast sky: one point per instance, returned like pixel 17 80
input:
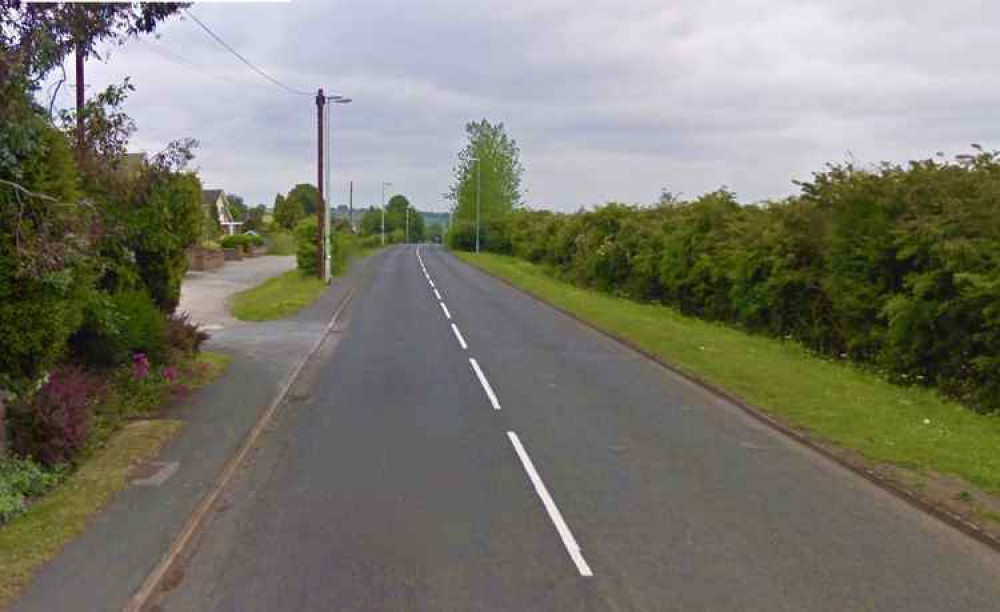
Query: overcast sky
pixel 609 100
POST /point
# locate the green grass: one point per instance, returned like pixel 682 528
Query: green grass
pixel 281 242
pixel 38 535
pixel 277 297
pixel 835 402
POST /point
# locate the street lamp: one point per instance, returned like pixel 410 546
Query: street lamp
pixel 327 269
pixel 478 185
pixel 384 185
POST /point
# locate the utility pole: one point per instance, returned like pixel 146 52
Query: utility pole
pixel 384 185
pixel 407 224
pixel 322 211
pixel 350 206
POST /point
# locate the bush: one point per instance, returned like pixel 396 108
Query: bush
pixel 21 479
pixel 184 336
pixel 115 327
pixel 242 241
pixel 281 243
pixel 51 425
pixel 306 236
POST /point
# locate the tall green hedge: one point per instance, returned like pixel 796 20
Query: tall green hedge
pixel 897 266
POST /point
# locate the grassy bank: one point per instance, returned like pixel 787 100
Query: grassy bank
pixel 911 428
pixel 277 297
pixel 52 520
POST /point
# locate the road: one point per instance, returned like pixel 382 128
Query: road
pixel 560 472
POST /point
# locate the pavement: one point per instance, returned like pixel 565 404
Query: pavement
pixel 459 446
pixel 101 569
pixel 204 294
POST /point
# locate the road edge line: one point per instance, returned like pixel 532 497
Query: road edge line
pixel 155 578
pixel 953 520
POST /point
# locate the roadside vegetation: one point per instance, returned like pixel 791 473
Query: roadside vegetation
pixel 93 247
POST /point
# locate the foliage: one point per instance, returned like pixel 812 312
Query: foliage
pixel 237 207
pixel 255 218
pixel 117 326
pixel 287 213
pixel 21 479
pixel 897 267
pixel 307 249
pixel 46 269
pixel 184 335
pixel 50 426
pixel 307 198
pixel 280 243
pixel 489 171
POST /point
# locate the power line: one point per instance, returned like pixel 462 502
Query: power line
pixel 245 60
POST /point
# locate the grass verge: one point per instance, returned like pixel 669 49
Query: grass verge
pixel 277 297
pixel 834 402
pixel 37 536
pixel 52 520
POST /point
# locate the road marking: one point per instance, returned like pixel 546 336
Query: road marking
pixel 458 335
pixel 445 309
pixel 485 383
pixel 433 286
pixel 155 473
pixel 550 506
pixel 437 295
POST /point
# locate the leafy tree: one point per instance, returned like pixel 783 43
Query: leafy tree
pixel 307 196
pixel 287 212
pixel 371 222
pixel 255 218
pixel 237 207
pixel 490 166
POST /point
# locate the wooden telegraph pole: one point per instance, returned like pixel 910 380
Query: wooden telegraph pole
pixel 322 208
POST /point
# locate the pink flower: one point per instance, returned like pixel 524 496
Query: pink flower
pixel 170 373
pixel 140 365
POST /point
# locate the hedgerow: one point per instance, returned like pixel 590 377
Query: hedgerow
pixel 896 266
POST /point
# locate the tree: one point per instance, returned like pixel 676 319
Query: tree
pixel 237 207
pixel 371 222
pixel 287 213
pixel 255 218
pixel 490 166
pixel 307 196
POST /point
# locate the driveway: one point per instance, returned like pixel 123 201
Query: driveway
pixel 204 294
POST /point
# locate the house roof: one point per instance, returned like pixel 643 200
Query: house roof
pixel 210 196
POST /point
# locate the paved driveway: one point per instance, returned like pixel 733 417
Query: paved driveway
pixel 204 294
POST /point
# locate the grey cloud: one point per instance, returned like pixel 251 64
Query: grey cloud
pixel 608 100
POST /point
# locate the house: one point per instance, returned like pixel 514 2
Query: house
pixel 217 205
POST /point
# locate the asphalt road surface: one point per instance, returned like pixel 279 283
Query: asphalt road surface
pixel 459 446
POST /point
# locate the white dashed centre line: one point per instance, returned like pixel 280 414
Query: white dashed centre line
pixel 550 506
pixel 445 309
pixel 485 383
pixel 437 295
pixel 458 335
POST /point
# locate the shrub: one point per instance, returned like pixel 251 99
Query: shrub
pixel 255 240
pixel 183 335
pixel 236 241
pixel 21 479
pixel 115 327
pixel 281 243
pixel 306 236
pixel 51 425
